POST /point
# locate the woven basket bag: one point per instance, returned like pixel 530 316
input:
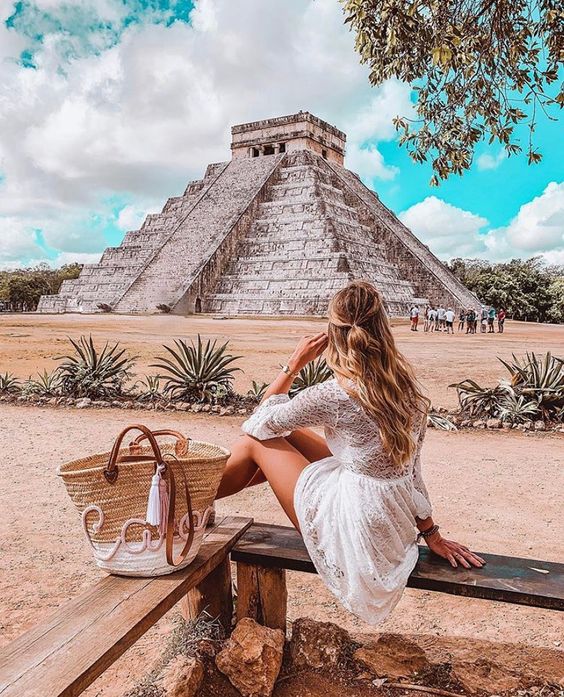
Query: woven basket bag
pixel 144 507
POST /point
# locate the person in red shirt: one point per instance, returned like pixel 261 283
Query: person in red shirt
pixel 500 320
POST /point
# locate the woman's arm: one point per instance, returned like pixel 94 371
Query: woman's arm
pixel 309 348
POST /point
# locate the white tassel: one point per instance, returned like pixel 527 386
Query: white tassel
pixel 154 505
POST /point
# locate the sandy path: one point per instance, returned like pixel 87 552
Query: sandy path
pixel 497 491
pixel 29 343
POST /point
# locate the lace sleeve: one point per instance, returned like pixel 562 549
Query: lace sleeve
pixel 279 415
pixel 424 506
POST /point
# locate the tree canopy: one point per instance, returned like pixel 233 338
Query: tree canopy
pixel 527 290
pixel 20 289
pixel 479 68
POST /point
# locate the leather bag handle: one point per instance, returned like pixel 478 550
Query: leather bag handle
pixel 111 471
pixel 170 521
pixel 180 447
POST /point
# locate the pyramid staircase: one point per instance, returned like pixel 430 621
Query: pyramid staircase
pixel 305 244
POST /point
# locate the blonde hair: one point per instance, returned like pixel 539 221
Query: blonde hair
pixel 362 349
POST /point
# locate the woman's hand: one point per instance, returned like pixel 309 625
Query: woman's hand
pixel 454 552
pixel 308 349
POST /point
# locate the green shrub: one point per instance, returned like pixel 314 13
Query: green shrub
pixel 44 385
pixel 90 373
pixel 150 389
pixel 9 384
pixel 535 390
pixel 312 374
pixel 198 372
pixel 257 390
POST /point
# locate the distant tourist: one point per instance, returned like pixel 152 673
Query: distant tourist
pixel 449 318
pixel 414 315
pixel 375 414
pixel 441 316
pixel 491 320
pixel 500 320
pixel 426 318
pixel 471 321
pixel 432 319
pixel 484 320
pixel 483 325
pixel 461 320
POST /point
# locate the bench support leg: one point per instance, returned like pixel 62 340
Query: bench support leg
pixel 213 595
pixel 262 595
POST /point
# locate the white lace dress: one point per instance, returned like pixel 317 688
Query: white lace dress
pixel 356 515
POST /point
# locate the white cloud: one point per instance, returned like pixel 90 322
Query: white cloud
pixel 448 231
pixel 537 229
pixel 539 224
pixel 488 161
pixel 131 217
pixel 17 240
pixel 368 163
pixel 148 114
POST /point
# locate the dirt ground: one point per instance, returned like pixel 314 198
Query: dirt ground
pixel 30 343
pixel 499 492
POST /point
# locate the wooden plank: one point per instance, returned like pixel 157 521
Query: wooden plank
pixel 505 579
pixel 67 652
pixel 214 595
pixel 262 595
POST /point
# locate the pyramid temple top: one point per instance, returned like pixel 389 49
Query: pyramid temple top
pixel 301 131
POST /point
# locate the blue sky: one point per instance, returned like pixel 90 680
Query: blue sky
pixel 108 107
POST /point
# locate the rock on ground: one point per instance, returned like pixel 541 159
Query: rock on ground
pixel 392 656
pixel 318 644
pixel 182 677
pixel 252 658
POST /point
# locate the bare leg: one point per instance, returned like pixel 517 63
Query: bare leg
pixel 241 472
pixel 280 461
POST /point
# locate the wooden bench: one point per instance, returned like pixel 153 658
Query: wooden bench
pixel 63 655
pixel 69 650
pixel 266 551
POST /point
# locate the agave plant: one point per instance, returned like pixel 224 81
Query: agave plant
pixel 9 384
pixel 198 372
pixel 44 385
pixel 150 389
pixel 539 378
pixel 312 374
pixel 481 401
pixel 257 390
pixel 517 409
pixel 441 422
pixel 92 373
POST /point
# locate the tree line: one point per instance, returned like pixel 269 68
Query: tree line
pixel 528 290
pixel 20 289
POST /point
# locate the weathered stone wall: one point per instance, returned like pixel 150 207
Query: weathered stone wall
pixel 301 131
pixel 174 267
pixel 416 262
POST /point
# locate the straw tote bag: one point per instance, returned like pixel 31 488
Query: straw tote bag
pixel 144 507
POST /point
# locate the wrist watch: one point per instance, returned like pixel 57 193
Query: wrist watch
pixel 291 373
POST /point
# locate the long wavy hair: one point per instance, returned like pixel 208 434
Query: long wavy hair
pixel 362 350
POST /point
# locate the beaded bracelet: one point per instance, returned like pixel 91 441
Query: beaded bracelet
pixel 424 534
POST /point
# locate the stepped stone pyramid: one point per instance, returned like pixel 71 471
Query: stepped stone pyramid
pixel 275 231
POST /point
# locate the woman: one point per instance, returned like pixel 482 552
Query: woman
pixel 358 497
